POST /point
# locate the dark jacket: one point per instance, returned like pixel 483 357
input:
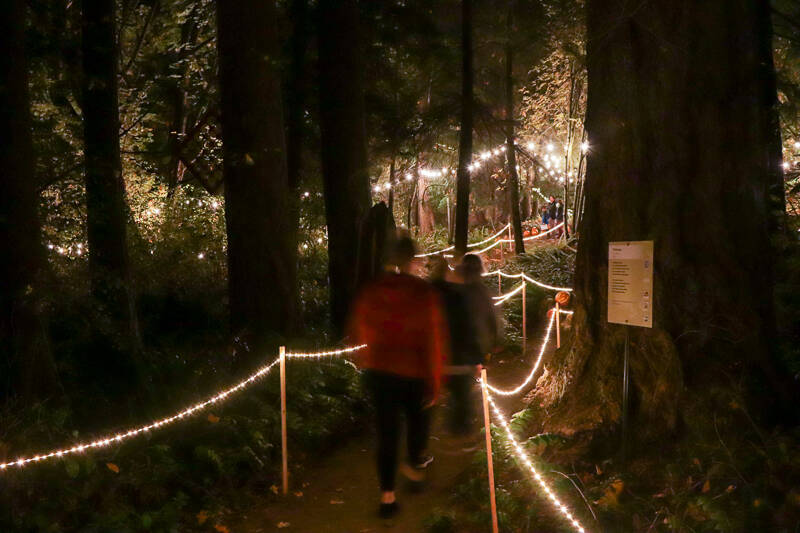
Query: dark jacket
pixel 471 320
pixel 559 208
pixel 551 210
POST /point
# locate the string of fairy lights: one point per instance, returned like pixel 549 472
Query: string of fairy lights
pixel 108 440
pixel 523 458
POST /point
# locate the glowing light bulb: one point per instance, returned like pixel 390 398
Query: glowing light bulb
pixel 531 146
pixel 409 176
pixel 584 147
pixel 786 165
pixel 550 147
pixel 201 255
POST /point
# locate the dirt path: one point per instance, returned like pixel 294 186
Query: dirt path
pixel 339 493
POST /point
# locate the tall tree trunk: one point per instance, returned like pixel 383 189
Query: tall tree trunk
pixel 106 210
pixel 26 364
pixel 511 156
pixel 465 135
pixel 344 146
pixel 683 145
pixel 262 256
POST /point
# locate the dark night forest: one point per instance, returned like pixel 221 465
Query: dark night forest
pixel 196 196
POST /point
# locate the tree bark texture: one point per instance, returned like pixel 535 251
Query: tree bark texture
pixel 465 135
pixel 262 256
pixel 344 149
pixel 26 365
pixel 106 210
pixel 683 152
pixel 511 156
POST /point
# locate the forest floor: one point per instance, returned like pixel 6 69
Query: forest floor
pixel 338 493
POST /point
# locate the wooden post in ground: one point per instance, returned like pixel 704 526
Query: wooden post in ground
pixel 499 283
pixel 558 326
pixel 489 463
pixel 284 447
pixel 524 317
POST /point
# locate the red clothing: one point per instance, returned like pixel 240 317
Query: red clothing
pixel 399 317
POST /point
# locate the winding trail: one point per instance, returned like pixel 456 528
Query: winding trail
pixel 338 493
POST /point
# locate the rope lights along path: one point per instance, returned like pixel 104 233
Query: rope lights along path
pixel 532 237
pixel 529 378
pixel 523 459
pixel 524 276
pixel 505 297
pixel 329 353
pixel 473 245
pixel 157 424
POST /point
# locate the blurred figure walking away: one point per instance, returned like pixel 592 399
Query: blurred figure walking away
pixel 473 326
pixel 551 213
pixel 400 319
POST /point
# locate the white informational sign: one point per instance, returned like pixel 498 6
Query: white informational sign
pixel 630 283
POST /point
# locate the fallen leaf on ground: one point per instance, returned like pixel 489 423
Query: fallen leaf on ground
pixel 299 493
pixel 202 516
pixel 274 489
pixel 213 419
pixel 114 468
pixel 222 529
pixel 282 525
pixel 336 502
pixel 706 486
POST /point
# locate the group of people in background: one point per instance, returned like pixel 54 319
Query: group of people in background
pixel 553 215
pixel 420 334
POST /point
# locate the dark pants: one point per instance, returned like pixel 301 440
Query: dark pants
pixel 392 395
pixel 461 404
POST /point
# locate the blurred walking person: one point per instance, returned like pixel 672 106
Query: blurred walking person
pixel 400 319
pixel 473 326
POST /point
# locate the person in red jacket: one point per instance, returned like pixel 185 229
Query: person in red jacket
pixel 399 317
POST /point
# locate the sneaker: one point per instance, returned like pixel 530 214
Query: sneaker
pixel 388 510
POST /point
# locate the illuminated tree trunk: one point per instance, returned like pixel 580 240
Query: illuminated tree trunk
pixel 344 148
pixel 511 156
pixel 25 360
pixel 682 125
pixel 261 252
pixel 465 135
pixel 106 210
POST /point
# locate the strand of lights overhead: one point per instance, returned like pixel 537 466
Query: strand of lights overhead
pixel 157 424
pixel 552 162
pixel 529 378
pixel 523 459
pixel 526 278
pixel 473 245
pixel 505 297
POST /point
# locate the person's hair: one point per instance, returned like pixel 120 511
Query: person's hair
pixel 403 251
pixel 471 267
pixel 437 268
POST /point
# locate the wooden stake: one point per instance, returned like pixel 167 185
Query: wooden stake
pixel 524 318
pixel 558 326
pixel 489 463
pixel 499 283
pixel 284 446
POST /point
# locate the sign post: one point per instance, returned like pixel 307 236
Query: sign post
pixel 630 302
